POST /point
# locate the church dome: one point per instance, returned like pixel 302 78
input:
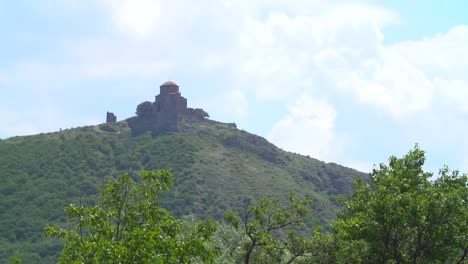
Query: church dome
pixel 169 83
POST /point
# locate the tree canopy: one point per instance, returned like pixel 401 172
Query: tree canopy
pixel 264 225
pixel 402 216
pixel 129 226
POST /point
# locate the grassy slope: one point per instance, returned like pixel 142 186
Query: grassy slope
pixel 216 168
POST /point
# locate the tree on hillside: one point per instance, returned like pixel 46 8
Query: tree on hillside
pixel 270 231
pixel 128 226
pixel 403 217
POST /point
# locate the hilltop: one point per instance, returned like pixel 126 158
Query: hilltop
pixel 216 168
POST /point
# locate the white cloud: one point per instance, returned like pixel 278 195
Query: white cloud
pixel 229 106
pixel 113 70
pixel 342 50
pixel 455 92
pixel 390 83
pixel 442 60
pixel 278 50
pixel 280 55
pixel 47 72
pixel 443 55
pixel 408 79
pixel 285 52
pixel 137 16
pixel 308 128
pixel 269 47
pixel 430 69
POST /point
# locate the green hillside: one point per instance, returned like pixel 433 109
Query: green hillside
pixel 216 168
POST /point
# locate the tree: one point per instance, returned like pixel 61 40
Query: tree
pixel 229 241
pixel 265 224
pixel 128 226
pixel 144 109
pixel 403 217
pixel 14 260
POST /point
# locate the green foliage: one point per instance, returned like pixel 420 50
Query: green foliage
pixel 129 226
pixel 403 217
pixel 264 225
pixel 229 241
pixel 14 260
pixel 216 168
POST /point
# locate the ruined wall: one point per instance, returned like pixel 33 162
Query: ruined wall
pixel 111 118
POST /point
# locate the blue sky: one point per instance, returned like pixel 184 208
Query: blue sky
pixel 350 82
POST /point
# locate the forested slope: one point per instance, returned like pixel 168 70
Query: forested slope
pixel 216 168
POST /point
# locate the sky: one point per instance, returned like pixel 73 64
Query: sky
pixel 350 82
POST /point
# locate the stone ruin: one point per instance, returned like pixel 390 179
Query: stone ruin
pixel 111 118
pixel 168 113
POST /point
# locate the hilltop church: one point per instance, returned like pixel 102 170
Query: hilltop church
pixel 168 113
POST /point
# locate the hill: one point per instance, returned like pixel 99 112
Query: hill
pixel 216 168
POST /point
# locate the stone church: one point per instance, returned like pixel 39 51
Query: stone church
pixel 168 113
